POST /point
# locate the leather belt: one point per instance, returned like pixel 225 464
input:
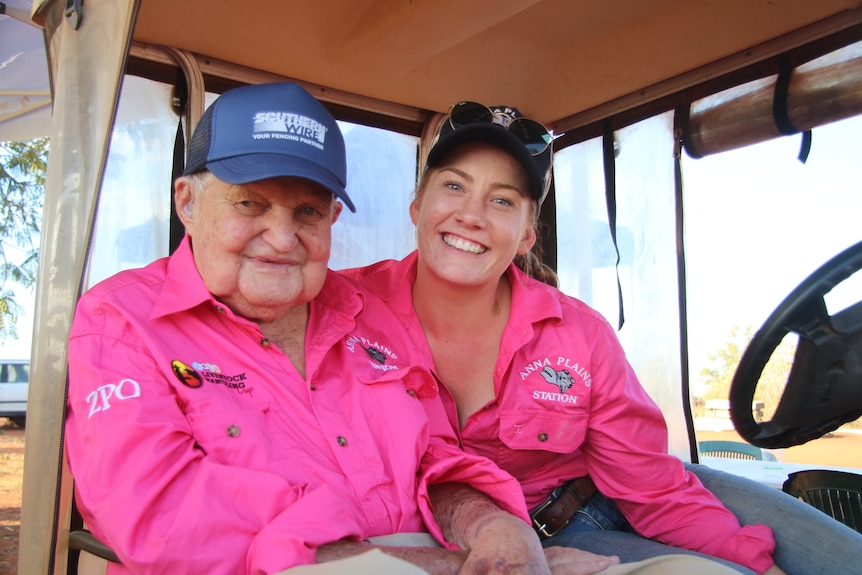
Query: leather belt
pixel 561 505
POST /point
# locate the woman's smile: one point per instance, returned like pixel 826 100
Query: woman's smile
pixel 463 244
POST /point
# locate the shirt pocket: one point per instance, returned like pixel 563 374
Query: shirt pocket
pixel 420 382
pixel 246 437
pixel 531 439
pixel 531 429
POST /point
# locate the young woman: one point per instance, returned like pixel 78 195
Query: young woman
pixel 538 381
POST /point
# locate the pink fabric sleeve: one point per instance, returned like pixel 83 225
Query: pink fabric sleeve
pixel 162 504
pixel 627 457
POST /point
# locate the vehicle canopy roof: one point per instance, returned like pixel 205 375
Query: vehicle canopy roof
pixel 563 63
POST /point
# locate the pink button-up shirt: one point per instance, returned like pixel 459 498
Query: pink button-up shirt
pixel 198 448
pixel 569 404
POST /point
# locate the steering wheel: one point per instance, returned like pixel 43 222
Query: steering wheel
pixel 824 387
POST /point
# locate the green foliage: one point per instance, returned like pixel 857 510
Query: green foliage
pixel 718 375
pixel 723 363
pixel 22 189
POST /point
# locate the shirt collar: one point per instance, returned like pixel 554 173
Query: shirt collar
pixel 532 300
pixel 184 288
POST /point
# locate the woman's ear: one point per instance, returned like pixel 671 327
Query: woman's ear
pixel 528 241
pixel 415 205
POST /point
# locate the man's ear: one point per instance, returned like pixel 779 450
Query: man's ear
pixel 184 201
pixel 337 207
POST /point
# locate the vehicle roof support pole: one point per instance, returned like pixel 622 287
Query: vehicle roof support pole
pixel 87 66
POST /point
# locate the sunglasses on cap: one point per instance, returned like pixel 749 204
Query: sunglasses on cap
pixel 531 133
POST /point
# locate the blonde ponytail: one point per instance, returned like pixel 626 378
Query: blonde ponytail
pixel 531 264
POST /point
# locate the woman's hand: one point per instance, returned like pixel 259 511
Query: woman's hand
pixel 568 561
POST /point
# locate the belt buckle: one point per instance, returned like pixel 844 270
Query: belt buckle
pixel 542 528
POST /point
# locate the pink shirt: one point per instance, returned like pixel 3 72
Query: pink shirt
pixel 198 448
pixel 569 404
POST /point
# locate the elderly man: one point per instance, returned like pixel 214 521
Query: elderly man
pixel 239 408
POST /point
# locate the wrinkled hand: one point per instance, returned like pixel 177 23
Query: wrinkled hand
pixel 566 561
pixel 499 543
pixel 506 545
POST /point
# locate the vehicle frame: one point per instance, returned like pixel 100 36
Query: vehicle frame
pixel 587 70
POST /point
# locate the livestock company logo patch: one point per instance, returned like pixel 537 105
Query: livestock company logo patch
pixel 186 374
pixel 194 376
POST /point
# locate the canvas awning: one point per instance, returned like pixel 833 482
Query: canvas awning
pixel 25 99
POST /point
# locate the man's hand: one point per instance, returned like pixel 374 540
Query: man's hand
pixel 500 543
pixel 497 542
pixel 503 544
pixel 507 545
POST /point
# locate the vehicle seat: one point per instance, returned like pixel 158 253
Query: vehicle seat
pixel 80 539
pixel 836 493
pixel 730 449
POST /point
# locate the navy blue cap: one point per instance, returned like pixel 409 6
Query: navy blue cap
pixel 537 168
pixel 267 131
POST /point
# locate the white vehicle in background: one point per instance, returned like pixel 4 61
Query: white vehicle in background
pixel 14 383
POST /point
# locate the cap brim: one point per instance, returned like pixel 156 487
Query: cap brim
pixel 498 136
pixel 256 167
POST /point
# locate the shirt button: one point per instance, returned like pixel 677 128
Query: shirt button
pixel 233 431
pixel 264 341
pixel 312 387
pixel 411 393
pixel 220 309
pixel 543 436
pixel 342 441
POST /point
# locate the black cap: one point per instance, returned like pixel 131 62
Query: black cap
pixel 537 168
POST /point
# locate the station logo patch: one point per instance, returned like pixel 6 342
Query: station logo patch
pixel 562 379
pixel 380 355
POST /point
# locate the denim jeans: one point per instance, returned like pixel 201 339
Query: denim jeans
pixel 600 527
pixel 807 541
pixel 598 514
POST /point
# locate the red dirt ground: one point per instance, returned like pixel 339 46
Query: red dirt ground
pixel 11 472
pixel 839 449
